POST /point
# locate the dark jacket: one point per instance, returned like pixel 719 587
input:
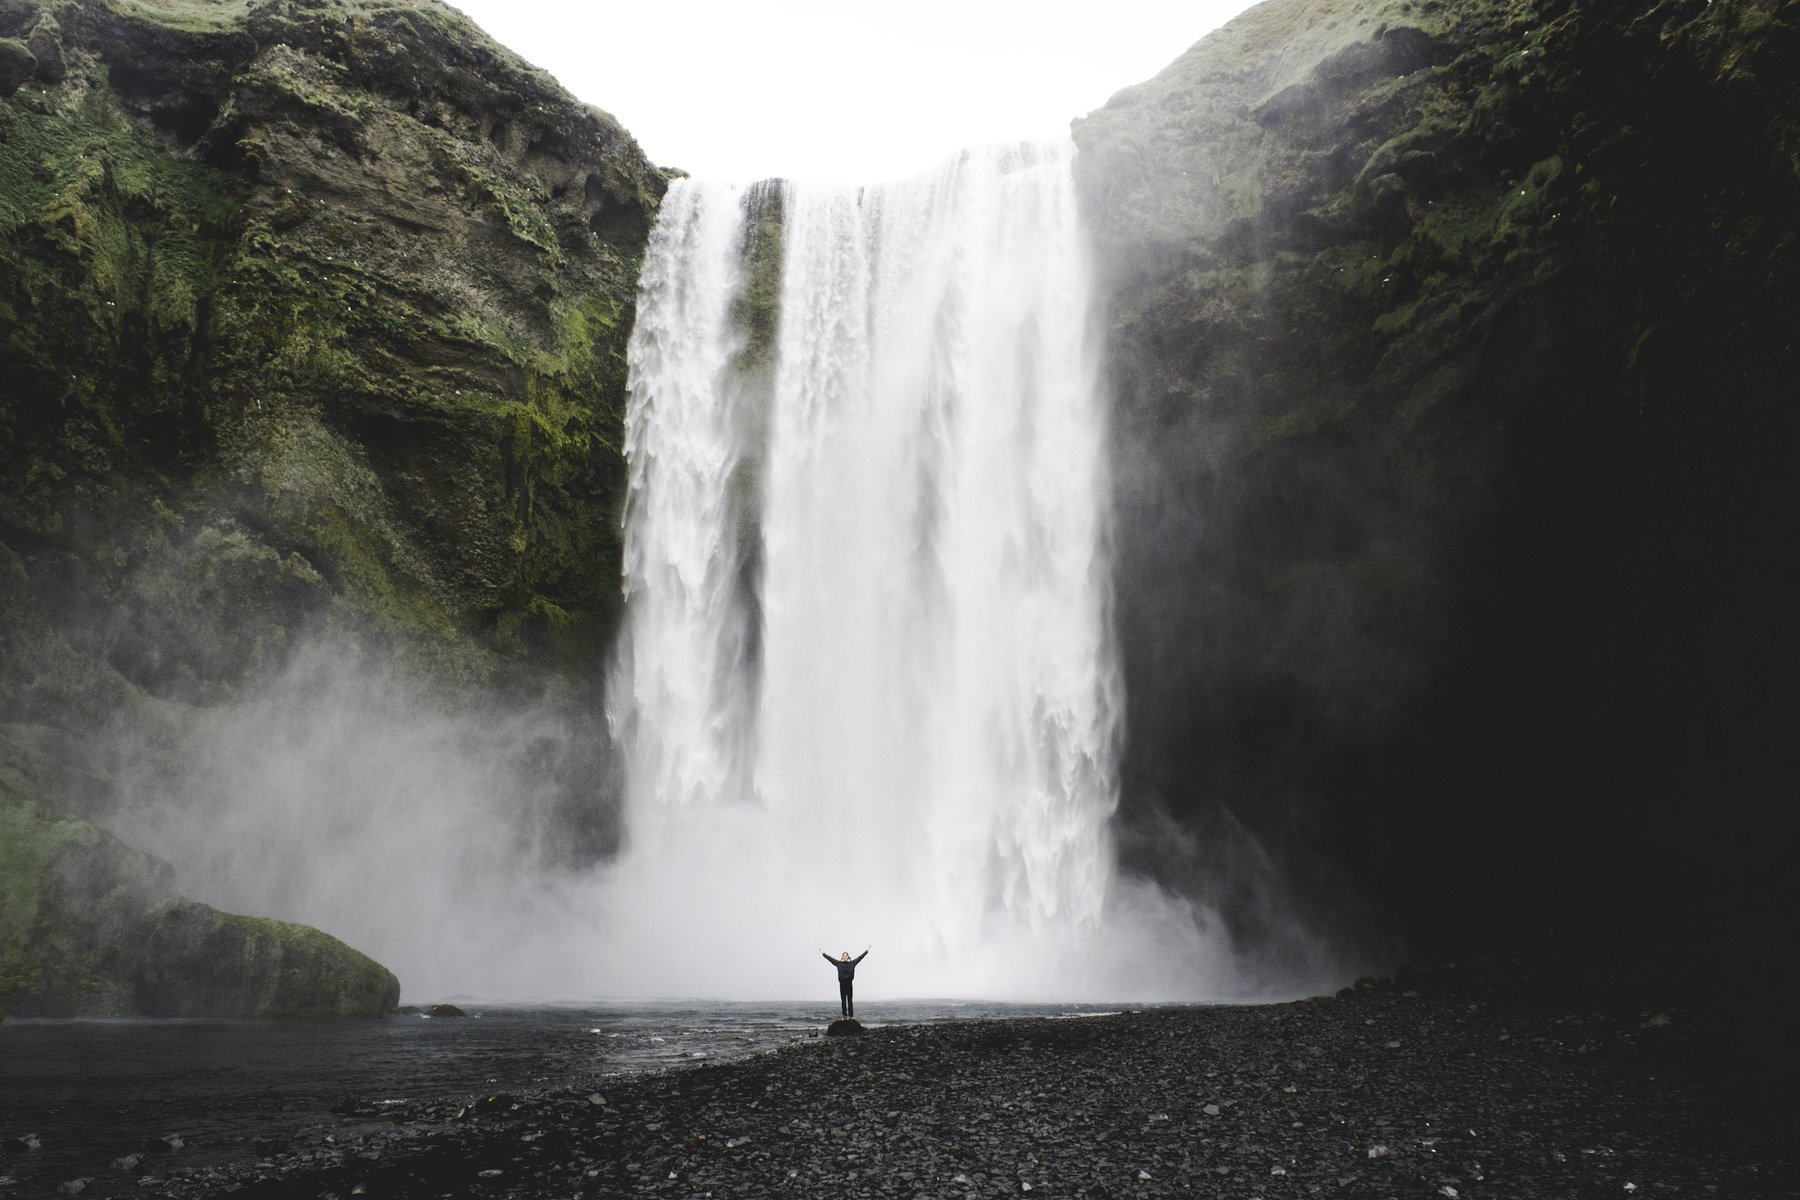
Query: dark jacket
pixel 846 970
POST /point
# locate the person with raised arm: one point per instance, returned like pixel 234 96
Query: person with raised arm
pixel 846 969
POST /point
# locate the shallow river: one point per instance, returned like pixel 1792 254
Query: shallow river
pixel 93 1091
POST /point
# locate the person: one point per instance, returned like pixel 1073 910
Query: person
pixel 846 969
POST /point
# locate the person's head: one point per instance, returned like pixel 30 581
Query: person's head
pixel 846 956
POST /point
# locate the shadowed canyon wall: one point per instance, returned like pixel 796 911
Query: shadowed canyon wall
pixel 1455 349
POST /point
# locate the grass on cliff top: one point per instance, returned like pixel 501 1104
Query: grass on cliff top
pixel 226 16
pixel 188 16
pixel 1279 43
pixel 222 16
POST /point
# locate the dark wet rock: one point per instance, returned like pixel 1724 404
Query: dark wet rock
pixel 45 44
pixel 846 1027
pixel 17 65
pixel 499 1102
pixel 1453 349
pixel 201 962
pixel 94 929
pixel 1554 1095
pixel 24 1144
pixel 445 1010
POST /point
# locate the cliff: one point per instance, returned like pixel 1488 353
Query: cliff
pixel 312 326
pixel 311 310
pixel 1454 348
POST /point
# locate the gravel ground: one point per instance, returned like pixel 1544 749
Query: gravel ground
pixel 1439 1085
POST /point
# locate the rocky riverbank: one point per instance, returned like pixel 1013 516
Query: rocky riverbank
pixel 1457 1084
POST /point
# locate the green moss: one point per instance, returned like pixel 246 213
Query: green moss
pixel 1304 421
pixel 17 63
pixel 525 218
pixel 305 82
pixel 30 842
pixel 336 507
pixel 202 962
pixel 97 228
pixel 430 452
pixel 756 309
pixel 72 895
pixel 87 926
pixel 189 16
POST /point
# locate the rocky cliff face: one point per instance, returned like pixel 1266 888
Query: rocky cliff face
pixel 1455 348
pixel 312 328
pixel 308 308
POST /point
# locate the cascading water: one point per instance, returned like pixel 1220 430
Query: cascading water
pixel 866 691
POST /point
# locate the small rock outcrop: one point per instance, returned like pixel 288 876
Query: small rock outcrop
pixel 91 927
pixel 17 65
pixel 199 962
pixel 845 1027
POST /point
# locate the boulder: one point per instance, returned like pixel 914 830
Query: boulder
pixel 17 65
pixel 45 44
pixel 199 962
pixel 90 926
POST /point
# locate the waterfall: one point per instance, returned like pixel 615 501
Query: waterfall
pixel 866 690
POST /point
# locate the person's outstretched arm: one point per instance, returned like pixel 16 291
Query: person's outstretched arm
pixel 826 956
pixel 863 955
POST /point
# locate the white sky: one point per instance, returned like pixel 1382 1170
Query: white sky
pixel 838 90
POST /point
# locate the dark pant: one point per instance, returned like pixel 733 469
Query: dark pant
pixel 844 997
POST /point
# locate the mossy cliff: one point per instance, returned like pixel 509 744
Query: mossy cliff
pixel 309 308
pixel 313 317
pixel 1455 349
pixel 91 927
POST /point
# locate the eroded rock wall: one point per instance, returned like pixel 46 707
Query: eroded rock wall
pixel 313 319
pixel 309 307
pixel 1455 348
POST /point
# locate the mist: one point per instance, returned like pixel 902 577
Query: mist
pixel 866 692
pixel 448 840
pixel 469 847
